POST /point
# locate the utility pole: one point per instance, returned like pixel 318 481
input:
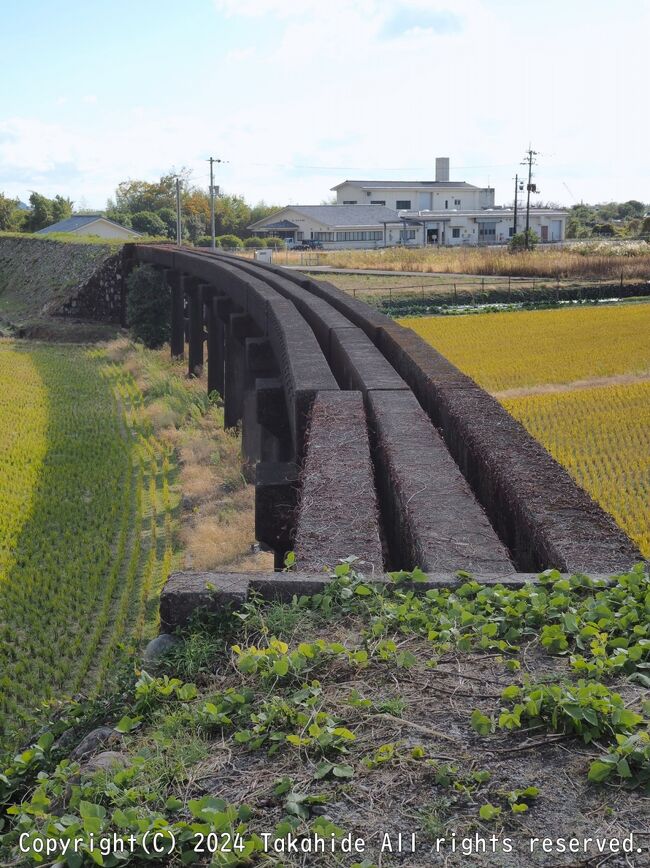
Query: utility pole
pixel 514 231
pixel 530 188
pixel 212 161
pixel 179 234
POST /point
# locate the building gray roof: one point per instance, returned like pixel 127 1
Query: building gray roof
pixel 78 221
pixel 282 224
pixel 397 185
pixel 343 215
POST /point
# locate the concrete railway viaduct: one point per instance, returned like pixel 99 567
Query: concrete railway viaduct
pixel 362 440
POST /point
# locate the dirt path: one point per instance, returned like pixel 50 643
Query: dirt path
pixel 593 383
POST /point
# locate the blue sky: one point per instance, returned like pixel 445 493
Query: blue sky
pixel 298 97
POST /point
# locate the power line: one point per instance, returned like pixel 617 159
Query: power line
pixel 366 167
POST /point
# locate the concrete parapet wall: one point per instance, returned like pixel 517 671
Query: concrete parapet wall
pixel 338 514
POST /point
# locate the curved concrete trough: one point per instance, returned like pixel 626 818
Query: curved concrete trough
pixel 431 518
pixel 396 456
pixel 540 514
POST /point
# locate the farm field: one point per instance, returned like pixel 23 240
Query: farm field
pixel 85 512
pixel 94 444
pixel 589 259
pixel 579 381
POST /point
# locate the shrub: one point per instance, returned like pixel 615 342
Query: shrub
pixel 518 241
pixel 148 223
pixel 275 242
pixel 168 217
pixel 605 230
pixel 254 242
pixel 148 306
pixel 204 241
pixel 229 242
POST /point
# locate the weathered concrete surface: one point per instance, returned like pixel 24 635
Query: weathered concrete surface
pixel 338 513
pixel 359 365
pixel 276 492
pixel 185 593
pixel 303 368
pixel 431 517
pixel 213 593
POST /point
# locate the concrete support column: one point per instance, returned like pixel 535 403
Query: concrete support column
pixel 195 354
pixel 235 369
pixel 257 445
pixel 177 338
pixel 276 488
pixel 222 308
pixel 271 410
pixel 215 347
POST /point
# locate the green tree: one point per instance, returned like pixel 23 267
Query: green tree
pixel 61 208
pixel 194 227
pixel 148 223
pixel 518 241
pixel 10 214
pixel 644 229
pixel 631 208
pixel 117 216
pixel 148 306
pixel 41 214
pixel 604 230
pixel 168 217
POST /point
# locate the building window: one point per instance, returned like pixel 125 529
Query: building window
pixel 363 235
pixel 511 231
pixel 403 204
pixel 487 231
pixel 446 203
pixel 456 201
pixel 349 201
pixel 407 235
pixel 378 202
pixel 324 236
pixel 455 232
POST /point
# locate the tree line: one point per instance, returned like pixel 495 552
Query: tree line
pixel 149 208
pixel 629 219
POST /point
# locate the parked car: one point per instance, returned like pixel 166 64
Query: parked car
pixel 309 244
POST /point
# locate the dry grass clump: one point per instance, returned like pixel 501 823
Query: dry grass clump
pixel 217 505
pixel 564 262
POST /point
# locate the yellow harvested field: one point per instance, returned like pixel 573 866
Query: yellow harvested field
pixel 599 432
pixel 602 437
pixel 525 348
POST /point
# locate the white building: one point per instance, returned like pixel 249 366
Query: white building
pixel 414 213
pixel 489 226
pixel 439 195
pixel 334 226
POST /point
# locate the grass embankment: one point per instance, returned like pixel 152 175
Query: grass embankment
pixel 471 719
pixel 579 380
pixel 37 276
pixel 94 445
pixel 588 260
